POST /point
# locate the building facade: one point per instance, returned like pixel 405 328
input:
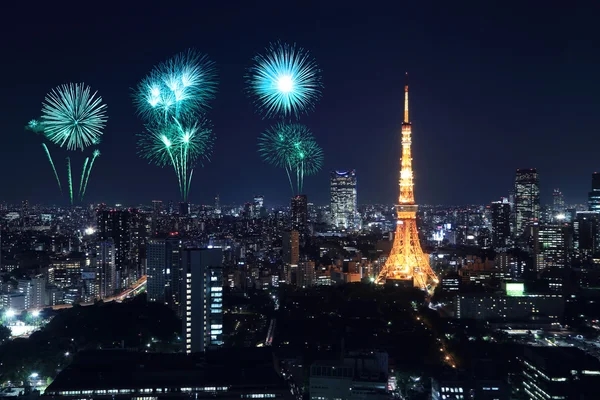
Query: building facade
pixel 202 287
pixel 527 199
pixel 344 211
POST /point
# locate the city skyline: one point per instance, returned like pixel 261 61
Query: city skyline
pixel 460 112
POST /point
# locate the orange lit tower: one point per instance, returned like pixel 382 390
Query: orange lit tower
pixel 407 262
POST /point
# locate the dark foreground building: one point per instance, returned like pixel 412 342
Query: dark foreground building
pixel 121 374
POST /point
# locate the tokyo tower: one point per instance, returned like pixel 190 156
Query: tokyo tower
pixel 407 262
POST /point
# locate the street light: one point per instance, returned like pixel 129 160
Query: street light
pixel 35 314
pixel 10 313
pixel 34 375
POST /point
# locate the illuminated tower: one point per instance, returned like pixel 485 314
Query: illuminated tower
pixel 407 262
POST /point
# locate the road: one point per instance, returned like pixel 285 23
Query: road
pixel 131 291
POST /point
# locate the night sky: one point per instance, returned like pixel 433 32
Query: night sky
pixel 495 86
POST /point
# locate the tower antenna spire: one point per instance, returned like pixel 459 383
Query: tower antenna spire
pixel 406 99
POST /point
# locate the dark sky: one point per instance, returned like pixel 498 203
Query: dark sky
pixel 495 86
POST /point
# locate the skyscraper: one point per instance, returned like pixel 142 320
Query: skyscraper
pixel 290 247
pixel 257 206
pixel 184 209
pixel 344 213
pixel 527 199
pixel 299 213
pixel 594 195
pixel 500 224
pixel 116 225
pixel 203 300
pixel 105 264
pixel 553 247
pixel 164 272
pixel 558 201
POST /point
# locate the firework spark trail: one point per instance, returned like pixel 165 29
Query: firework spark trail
pixel 85 163
pixel 53 166
pixel 70 179
pixel 73 116
pixel 284 81
pixel 95 155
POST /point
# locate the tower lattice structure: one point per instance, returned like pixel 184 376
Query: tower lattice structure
pixel 407 261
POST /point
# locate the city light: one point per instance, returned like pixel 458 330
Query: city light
pixel 34 375
pixel 89 231
pixel 35 314
pixel 10 313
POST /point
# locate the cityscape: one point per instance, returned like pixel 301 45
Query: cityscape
pixel 317 285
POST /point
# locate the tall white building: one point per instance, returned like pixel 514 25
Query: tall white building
pixel 105 262
pixel 34 291
pixel 344 212
pixel 202 289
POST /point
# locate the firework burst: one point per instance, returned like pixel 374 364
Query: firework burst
pixel 292 147
pixel 73 116
pixel 180 144
pixel 177 88
pixel 284 81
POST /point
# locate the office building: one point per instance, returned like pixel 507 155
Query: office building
pixel 594 195
pixel 357 376
pixel 33 290
pixel 552 247
pixel 299 213
pixel 105 263
pixel 527 199
pixel 116 225
pixel 500 216
pixel 226 374
pixel 556 373
pixel 344 212
pixel 184 209
pixel 558 202
pixel 203 299
pixel 586 228
pixel 258 206
pixel 290 247
pixel 513 305
pixel 163 270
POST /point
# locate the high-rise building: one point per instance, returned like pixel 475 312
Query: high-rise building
pixel 217 204
pixel 299 213
pixel 527 199
pixel 34 290
pixel 594 195
pixel 105 264
pixel 500 216
pixel 257 206
pixel 184 209
pixel 163 270
pixel 156 207
pixel 556 373
pixel 203 300
pixel 586 229
pixel 558 201
pixel 24 212
pixel 290 247
pixel 552 247
pixel 344 212
pixel 116 225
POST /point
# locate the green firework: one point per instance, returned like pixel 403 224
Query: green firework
pixel 53 166
pixel 292 147
pixel 179 144
pixel 95 155
pixel 70 179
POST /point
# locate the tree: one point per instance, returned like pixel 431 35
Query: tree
pixel 4 333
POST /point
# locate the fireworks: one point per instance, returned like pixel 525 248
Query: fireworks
pixel 177 88
pixel 284 81
pixel 171 100
pixel 180 144
pixel 73 116
pixel 292 147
